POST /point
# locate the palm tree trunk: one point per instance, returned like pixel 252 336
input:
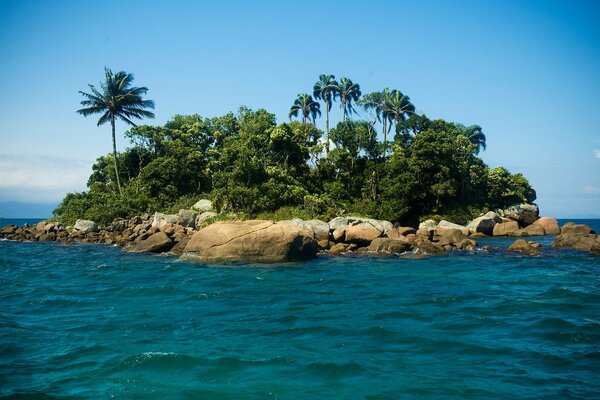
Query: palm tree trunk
pixel 343 110
pixel 327 125
pixel 112 122
pixel 384 136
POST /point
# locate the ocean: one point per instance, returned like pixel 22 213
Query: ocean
pixel 91 322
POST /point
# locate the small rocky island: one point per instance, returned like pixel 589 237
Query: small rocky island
pixel 191 235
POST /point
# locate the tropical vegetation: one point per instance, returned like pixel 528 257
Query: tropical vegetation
pixel 250 164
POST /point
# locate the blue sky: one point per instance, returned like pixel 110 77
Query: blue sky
pixel 527 72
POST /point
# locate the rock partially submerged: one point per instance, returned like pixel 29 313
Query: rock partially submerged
pixel 578 237
pixel 156 243
pixel 250 241
pixel 525 247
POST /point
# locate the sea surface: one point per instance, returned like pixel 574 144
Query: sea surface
pixel 91 322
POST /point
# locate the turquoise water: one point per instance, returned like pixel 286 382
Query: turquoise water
pixel 88 321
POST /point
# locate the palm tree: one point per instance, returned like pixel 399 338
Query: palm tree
pixel 348 92
pixel 398 108
pixel 307 107
pixel 379 102
pixel 325 89
pixel 116 99
pixel 475 135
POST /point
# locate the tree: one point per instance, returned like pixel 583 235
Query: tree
pixel 116 98
pixel 306 107
pixel 475 135
pixel 398 107
pixel 378 102
pixel 325 89
pixel 347 91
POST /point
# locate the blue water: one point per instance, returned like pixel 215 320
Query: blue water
pixel 89 321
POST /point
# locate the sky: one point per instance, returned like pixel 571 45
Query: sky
pixel 526 71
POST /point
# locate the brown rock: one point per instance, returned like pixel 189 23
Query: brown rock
pixel 451 237
pixel 428 248
pixel 323 244
pixel 577 242
pixel 180 246
pixel 400 232
pixel 520 233
pixel 571 228
pixel 505 228
pixel 362 233
pixel 337 249
pixel 338 235
pixel 526 247
pixel 250 241
pixel 534 230
pixel 550 225
pixel 156 243
pixel 389 245
pixel 9 229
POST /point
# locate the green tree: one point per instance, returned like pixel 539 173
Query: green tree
pixel 398 107
pixel 378 103
pixel 347 91
pixel 116 98
pixel 306 107
pixel 326 89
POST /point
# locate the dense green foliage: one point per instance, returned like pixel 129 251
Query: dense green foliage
pixel 247 163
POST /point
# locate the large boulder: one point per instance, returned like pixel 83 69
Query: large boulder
pixel 358 230
pixel 444 226
pixel 451 237
pixel 485 224
pixel 505 228
pixel 156 243
pixel 389 246
pixel 400 232
pixel 203 205
pixel 202 218
pixel 187 218
pixel 250 241
pixel 526 247
pixel 581 242
pixel 550 225
pixel 160 219
pixel 534 230
pixel 319 229
pixel 429 225
pixel 362 233
pixel 85 225
pixel 571 228
pixel 525 214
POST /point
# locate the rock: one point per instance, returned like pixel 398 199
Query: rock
pixel 451 237
pixel 466 244
pixel 400 231
pixel 485 224
pixel 550 225
pixel 156 243
pixel 187 218
pixel 203 205
pixel 159 220
pixel 85 225
pixel 337 249
pixel 429 224
pixel 571 228
pixel 317 228
pixel 202 218
pixel 390 246
pixel 339 234
pixel 362 233
pixel 444 226
pixel 344 222
pixel 180 246
pixel 525 214
pixel 505 228
pixel 534 230
pixel 580 242
pixel 526 247
pixel 323 244
pixel 250 241
pixel 428 248
pixel 9 229
pixel 520 233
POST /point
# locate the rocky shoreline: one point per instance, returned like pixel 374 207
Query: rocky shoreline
pixel 190 235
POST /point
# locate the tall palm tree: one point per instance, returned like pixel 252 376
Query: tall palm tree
pixel 379 102
pixel 476 136
pixel 116 98
pixel 306 107
pixel 398 108
pixel 348 91
pixel 325 89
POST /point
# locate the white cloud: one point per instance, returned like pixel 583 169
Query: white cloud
pixel 591 189
pixel 40 179
pixel 597 153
